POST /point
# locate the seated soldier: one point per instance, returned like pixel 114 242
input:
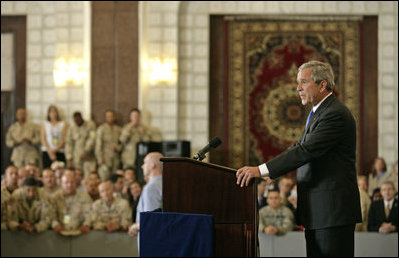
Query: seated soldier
pixel 118 181
pixel 72 207
pixel 4 211
pixel 49 184
pixel 32 213
pixel 110 213
pixel 22 175
pixel 94 175
pixel 29 171
pixel 362 183
pixel 34 171
pixel 10 182
pixel 58 168
pixel 8 186
pixel 275 218
pixel 365 203
pixel 79 178
pixel 91 187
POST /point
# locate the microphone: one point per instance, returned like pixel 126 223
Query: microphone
pixel 212 144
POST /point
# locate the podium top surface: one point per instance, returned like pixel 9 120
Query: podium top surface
pixel 200 163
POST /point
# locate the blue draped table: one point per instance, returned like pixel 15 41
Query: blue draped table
pixel 169 234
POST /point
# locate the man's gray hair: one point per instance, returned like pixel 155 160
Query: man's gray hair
pixel 389 183
pixel 320 71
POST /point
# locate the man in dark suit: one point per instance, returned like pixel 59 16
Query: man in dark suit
pixel 383 214
pixel 261 191
pixel 325 155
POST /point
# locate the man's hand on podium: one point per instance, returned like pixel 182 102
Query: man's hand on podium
pixel 245 174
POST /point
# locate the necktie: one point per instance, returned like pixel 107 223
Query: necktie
pixel 387 211
pixel 309 116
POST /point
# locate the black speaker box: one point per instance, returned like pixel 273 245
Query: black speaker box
pixel 167 148
pixel 176 148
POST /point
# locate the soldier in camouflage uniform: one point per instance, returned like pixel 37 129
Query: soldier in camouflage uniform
pixel 107 146
pixel 80 142
pixel 132 133
pixel 91 188
pixel 24 138
pixel 275 219
pixel 72 207
pixel 50 187
pixel 47 192
pixel 7 208
pixel 22 175
pixel 10 182
pixel 110 213
pixel 32 213
pixel 4 217
pixel 33 171
pixel 8 186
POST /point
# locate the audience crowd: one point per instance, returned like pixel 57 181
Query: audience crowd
pixel 277 203
pixel 72 179
pixel 89 182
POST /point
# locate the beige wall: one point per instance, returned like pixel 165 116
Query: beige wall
pixel 180 30
pixel 54 30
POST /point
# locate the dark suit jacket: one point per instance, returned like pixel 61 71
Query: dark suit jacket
pixel 262 203
pixel 377 215
pixel 325 156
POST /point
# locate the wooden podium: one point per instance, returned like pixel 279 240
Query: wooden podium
pixel 191 186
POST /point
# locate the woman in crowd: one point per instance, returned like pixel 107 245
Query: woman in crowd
pixel 53 135
pixel 134 193
pixel 377 175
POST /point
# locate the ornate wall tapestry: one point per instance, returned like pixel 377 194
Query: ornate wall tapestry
pixel 265 111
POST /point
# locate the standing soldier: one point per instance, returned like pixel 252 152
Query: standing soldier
pixel 23 137
pixel 33 213
pixel 80 142
pixel 132 133
pixel 110 213
pixel 107 146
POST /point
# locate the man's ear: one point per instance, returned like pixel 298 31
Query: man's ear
pixel 323 87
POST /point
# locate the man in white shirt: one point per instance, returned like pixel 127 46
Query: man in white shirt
pixel 151 197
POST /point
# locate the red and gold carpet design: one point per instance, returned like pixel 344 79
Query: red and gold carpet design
pixel 266 115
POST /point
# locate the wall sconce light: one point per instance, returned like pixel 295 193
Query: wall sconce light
pixel 161 71
pixel 69 72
